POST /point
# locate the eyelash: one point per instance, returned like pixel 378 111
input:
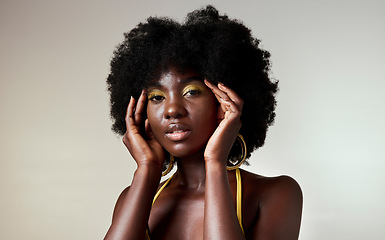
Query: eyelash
pixel 157 97
pixel 191 92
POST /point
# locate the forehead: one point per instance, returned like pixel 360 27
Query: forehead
pixel 175 76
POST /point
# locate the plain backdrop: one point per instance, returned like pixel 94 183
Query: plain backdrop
pixel 62 168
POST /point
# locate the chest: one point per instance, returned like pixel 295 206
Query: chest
pixel 178 216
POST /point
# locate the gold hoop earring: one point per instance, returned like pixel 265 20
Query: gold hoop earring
pixel 170 166
pixel 244 153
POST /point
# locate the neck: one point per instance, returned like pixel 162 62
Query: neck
pixel 191 172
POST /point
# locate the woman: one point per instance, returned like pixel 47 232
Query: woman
pixel 199 96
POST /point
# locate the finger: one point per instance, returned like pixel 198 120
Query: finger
pixel 225 96
pixel 229 106
pixel 217 92
pixel 225 99
pixel 130 113
pixel 140 107
pixel 233 96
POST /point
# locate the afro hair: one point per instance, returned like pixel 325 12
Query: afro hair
pixel 220 49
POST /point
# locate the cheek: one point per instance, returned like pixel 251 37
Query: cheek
pixel 153 112
pixel 212 114
pixel 153 116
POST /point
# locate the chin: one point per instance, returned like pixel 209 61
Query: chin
pixel 183 151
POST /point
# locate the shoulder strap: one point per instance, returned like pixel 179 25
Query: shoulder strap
pixel 239 197
pixel 161 189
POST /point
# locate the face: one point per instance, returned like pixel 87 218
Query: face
pixel 182 112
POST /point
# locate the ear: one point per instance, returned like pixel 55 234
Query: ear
pixel 221 114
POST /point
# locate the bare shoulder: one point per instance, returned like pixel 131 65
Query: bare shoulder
pixel 268 187
pixel 274 206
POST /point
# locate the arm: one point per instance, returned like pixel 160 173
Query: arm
pixel 133 207
pixel 281 204
pixel 220 218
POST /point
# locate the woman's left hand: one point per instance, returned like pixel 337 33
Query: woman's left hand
pixel 229 115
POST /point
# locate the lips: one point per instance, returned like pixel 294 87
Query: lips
pixel 177 132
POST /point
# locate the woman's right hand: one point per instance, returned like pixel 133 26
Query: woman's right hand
pixel 145 151
pixel 133 207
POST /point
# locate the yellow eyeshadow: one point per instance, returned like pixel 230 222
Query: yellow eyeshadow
pixel 155 93
pixel 193 88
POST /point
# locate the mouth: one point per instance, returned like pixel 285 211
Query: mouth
pixel 177 132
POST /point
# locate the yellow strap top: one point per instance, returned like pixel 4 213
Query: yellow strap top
pixel 238 197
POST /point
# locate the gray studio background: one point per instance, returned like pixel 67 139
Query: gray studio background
pixel 62 168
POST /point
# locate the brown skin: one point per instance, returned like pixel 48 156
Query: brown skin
pixel 199 202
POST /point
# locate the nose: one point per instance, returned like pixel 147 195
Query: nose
pixel 174 109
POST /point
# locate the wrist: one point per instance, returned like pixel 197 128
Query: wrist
pixel 216 166
pixel 149 170
pixel 150 165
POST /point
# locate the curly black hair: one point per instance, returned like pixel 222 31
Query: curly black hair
pixel 219 48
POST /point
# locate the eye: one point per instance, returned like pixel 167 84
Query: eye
pixel 155 96
pixel 192 90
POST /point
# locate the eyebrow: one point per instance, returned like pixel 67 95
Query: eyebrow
pixel 183 81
